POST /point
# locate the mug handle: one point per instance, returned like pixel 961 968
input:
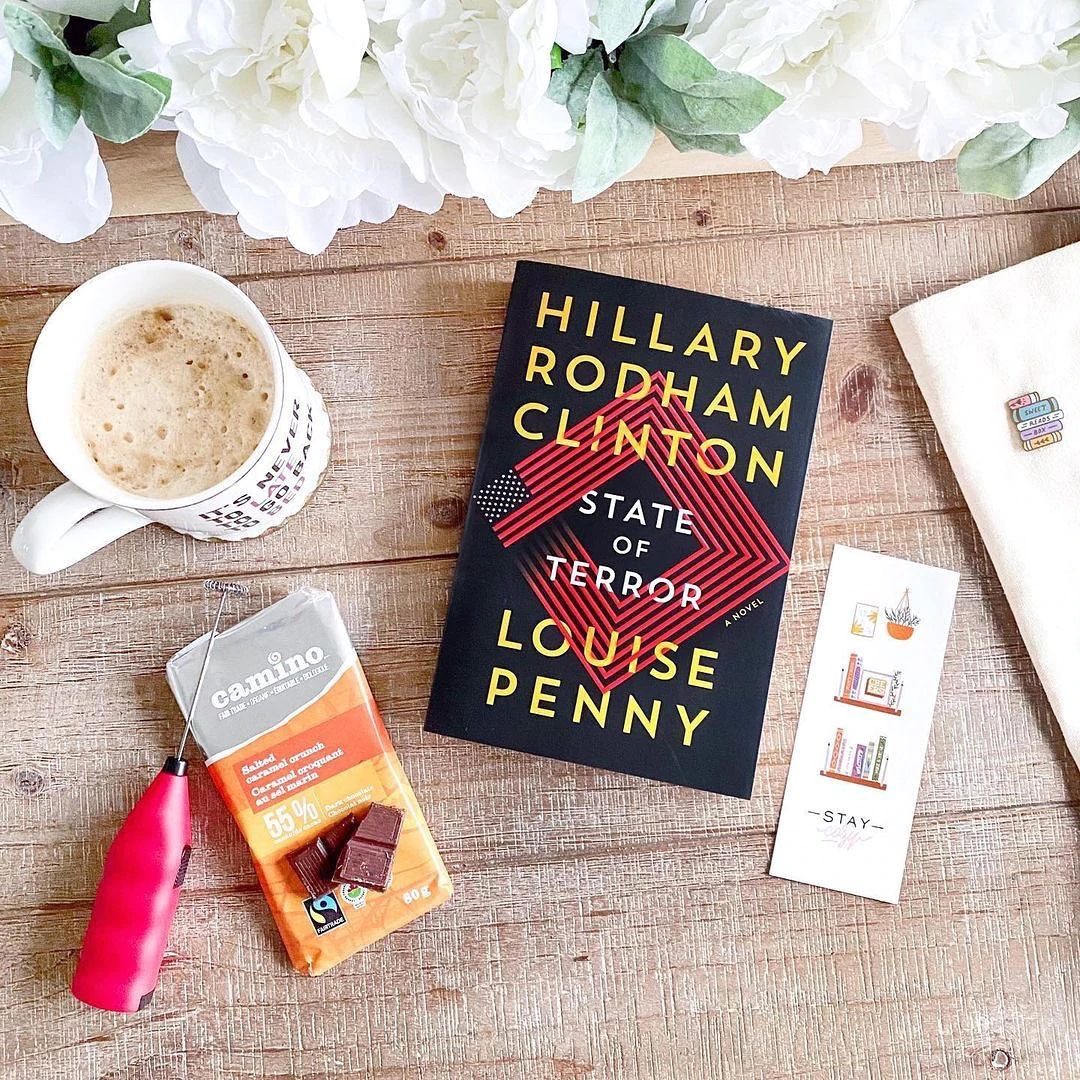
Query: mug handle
pixel 66 526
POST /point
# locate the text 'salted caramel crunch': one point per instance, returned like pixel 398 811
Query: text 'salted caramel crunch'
pixel 294 743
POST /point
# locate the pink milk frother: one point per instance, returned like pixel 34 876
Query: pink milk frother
pixel 140 884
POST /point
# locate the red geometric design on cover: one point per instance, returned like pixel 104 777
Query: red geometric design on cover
pixel 736 557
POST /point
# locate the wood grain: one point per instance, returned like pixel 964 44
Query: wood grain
pixel 146 179
pixel 603 926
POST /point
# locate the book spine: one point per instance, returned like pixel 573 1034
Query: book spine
pixel 1042 429
pixel 860 757
pixel 1026 425
pixel 1043 440
pixel 878 759
pixel 857 678
pixel 868 760
pixel 845 758
pixel 1038 408
pixel 852 661
pixel 1024 399
pixel 884 770
pixel 896 687
pixel 834 761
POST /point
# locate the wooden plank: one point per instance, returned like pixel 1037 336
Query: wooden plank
pixel 678 959
pixel 382 343
pixel 580 945
pixel 113 646
pixel 628 215
pixel 146 178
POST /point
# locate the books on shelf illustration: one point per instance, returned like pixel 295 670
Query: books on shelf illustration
pixel 862 763
pixel 866 688
pixel 1038 420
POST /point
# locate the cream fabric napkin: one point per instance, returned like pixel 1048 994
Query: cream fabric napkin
pixel 972 349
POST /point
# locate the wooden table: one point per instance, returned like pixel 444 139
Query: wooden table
pixel 603 926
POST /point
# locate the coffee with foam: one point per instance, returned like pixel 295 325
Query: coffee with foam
pixel 174 399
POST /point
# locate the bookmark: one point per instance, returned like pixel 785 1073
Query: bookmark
pixel 864 724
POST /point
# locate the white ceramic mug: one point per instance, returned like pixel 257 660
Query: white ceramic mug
pixel 90 511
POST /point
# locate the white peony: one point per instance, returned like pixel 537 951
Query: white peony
pixel 474 75
pixel 576 25
pixel 934 72
pixel 61 192
pixel 282 118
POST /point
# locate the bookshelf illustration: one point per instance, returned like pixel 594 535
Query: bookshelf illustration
pixel 857 763
pixel 878 691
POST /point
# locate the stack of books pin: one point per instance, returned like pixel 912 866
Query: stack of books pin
pixel 1037 419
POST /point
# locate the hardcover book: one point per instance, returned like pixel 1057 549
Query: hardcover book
pixel 622 569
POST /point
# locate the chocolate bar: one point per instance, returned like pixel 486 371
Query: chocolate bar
pixel 381 825
pixel 314 863
pixel 309 864
pixel 363 862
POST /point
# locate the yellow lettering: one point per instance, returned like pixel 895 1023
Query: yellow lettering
pixel 723 402
pixel 504 641
pixel 616 332
pixel 590 637
pixel 623 434
pixel 702 343
pixel 540 699
pixel 594 310
pixel 759 408
pixel 785 356
pixel 642 388
pixel 698 668
pixel 583 699
pixel 571 373
pixel 745 347
pixel 536 368
pixel 648 720
pixel 537 638
pixel 671 391
pixel 757 461
pixel 561 438
pixel 662 658
pixel 676 437
pixel 712 470
pixel 690 726
pixel 562 313
pixel 503 683
pixel 654 337
pixel 528 407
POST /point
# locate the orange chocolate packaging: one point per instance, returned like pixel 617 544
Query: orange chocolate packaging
pixel 295 744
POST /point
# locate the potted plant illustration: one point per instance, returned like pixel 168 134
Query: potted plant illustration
pixel 901 622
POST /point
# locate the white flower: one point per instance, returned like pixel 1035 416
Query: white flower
pixel 576 25
pixel 935 72
pixel 282 118
pixel 63 192
pixel 474 75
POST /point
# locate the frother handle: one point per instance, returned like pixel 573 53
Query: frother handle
pixel 66 526
pixel 133 911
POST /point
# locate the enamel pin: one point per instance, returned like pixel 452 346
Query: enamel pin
pixel 1037 419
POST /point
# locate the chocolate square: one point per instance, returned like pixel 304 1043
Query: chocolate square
pixel 381 825
pixel 314 863
pixel 362 862
pixel 310 865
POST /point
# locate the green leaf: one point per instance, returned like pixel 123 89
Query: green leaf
pixel 32 37
pixel 1005 160
pixel 616 20
pixel 729 145
pixel 617 136
pixel 556 57
pixel 57 103
pixel 116 104
pixel 570 85
pixel 687 96
pixel 102 39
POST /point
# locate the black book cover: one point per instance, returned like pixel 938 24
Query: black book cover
pixel 622 569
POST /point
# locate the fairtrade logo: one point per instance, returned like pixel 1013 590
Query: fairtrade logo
pixel 325 913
